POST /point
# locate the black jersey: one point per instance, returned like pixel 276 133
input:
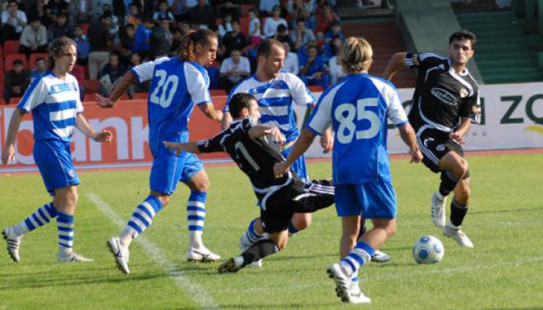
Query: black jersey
pixel 442 97
pixel 255 157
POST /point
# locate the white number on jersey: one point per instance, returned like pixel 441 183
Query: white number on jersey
pixel 345 114
pixel 241 150
pixel 164 81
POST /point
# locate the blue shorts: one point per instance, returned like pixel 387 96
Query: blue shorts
pixel 373 200
pixel 169 169
pixel 298 166
pixel 54 160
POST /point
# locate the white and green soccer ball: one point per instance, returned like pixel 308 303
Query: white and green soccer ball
pixel 428 250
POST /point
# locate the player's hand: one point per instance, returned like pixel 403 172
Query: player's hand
pixel 103 136
pixel 8 154
pixel 327 141
pixel 173 146
pixel 103 101
pixel 457 137
pixel 416 156
pixel 276 135
pixel 279 169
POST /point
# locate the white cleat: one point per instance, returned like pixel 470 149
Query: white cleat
pixel 72 257
pixel 121 253
pixel 346 290
pixel 380 257
pixel 202 255
pixel 458 235
pixel 438 210
pixel 13 242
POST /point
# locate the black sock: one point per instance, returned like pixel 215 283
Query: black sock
pixel 258 251
pixel 448 183
pixel 458 212
pixel 362 229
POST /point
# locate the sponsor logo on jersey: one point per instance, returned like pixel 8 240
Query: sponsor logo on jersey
pixel 444 96
pixel 463 93
pixel 425 142
pixel 440 147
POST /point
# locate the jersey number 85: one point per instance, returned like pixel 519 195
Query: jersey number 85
pixel 346 113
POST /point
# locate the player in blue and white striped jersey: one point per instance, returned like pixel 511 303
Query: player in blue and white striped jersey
pixel 56 109
pixel 178 84
pixel 277 92
pixel 358 108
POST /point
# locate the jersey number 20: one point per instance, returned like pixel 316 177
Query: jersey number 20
pixel 346 113
pixel 164 83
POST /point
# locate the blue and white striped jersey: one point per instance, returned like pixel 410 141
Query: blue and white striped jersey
pixel 176 86
pixel 55 104
pixel 358 109
pixel 275 99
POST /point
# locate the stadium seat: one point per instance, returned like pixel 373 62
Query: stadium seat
pixel 79 72
pixel 140 96
pixel 85 28
pixel 91 86
pixel 217 92
pixel 33 57
pixel 315 88
pixel 11 57
pixel 14 100
pixel 11 47
pixel 245 9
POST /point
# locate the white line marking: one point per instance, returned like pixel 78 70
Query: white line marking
pixel 171 269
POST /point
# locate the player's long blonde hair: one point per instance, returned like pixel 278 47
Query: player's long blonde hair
pixel 356 55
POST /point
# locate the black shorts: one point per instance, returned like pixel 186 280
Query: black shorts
pixel 434 144
pixel 281 205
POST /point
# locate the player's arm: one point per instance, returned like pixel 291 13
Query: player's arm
pixel 407 133
pixel 259 131
pixel 206 146
pixel 191 147
pixel 14 123
pixel 107 102
pixel 327 138
pixel 226 120
pixel 397 61
pixel 209 110
pixel 300 146
pixel 461 130
pixel 98 136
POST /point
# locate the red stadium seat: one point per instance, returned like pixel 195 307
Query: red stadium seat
pixel 85 28
pixel 11 47
pixel 11 57
pixel 245 9
pixel 79 72
pixel 217 92
pixel 140 96
pixel 315 88
pixel 244 25
pixel 91 86
pixel 34 57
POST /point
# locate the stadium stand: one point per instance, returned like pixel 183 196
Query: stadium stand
pixel 8 61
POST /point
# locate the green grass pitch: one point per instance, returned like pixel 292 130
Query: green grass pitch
pixel 503 271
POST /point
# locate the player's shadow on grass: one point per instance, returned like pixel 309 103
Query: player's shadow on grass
pixel 331 305
pixel 508 211
pixel 38 282
pixel 302 257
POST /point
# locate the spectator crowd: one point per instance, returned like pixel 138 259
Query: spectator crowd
pixel 114 35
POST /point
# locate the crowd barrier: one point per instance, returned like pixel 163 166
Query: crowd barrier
pixel 512 117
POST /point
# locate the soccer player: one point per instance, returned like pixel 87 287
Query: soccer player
pixel 277 92
pixel 177 85
pixel 446 95
pixel 358 108
pixel 54 101
pixel 255 149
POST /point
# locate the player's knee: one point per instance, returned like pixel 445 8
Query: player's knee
pixel 461 168
pixel 391 229
pixel 164 199
pixel 301 222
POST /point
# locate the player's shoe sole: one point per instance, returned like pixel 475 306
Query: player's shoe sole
pixel 120 261
pixel 73 258
pixel 342 281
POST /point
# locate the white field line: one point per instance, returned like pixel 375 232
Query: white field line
pixel 194 290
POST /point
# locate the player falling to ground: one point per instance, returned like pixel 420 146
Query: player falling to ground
pixel 177 85
pixel 277 92
pixel 445 96
pixel 56 109
pixel 358 108
pixel 255 149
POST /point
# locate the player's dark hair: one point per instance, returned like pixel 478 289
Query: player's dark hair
pixel 265 48
pixel 188 46
pixel 238 102
pixel 56 49
pixel 463 34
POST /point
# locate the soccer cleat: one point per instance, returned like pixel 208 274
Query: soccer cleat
pixel 13 241
pixel 234 264
pixel 356 296
pixel 380 257
pixel 458 235
pixel 343 281
pixel 121 253
pixel 202 255
pixel 72 257
pixel 438 210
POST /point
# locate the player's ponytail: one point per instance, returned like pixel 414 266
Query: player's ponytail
pixel 356 55
pixel 188 46
pixel 56 50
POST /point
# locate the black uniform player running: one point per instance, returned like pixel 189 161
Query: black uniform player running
pixel 445 97
pixel 255 149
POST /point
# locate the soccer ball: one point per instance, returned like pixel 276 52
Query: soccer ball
pixel 428 250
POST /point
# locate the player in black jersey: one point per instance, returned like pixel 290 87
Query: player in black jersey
pixel 446 96
pixel 256 149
